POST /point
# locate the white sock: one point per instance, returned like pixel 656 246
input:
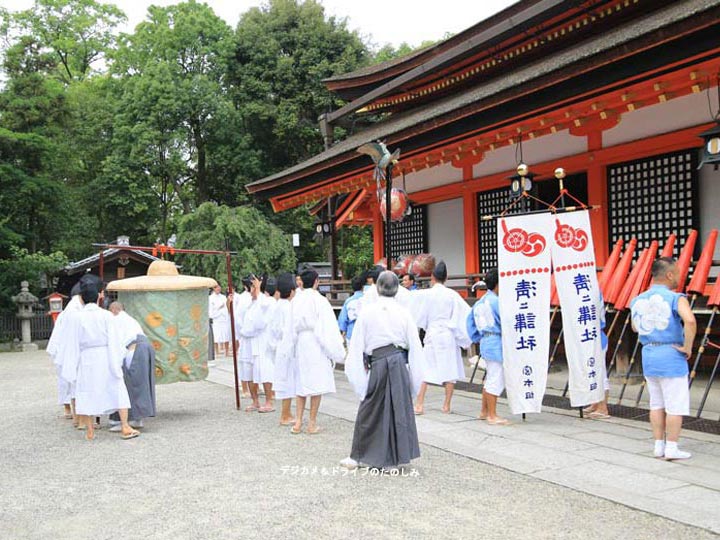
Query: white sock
pixel 659 445
pixel 672 446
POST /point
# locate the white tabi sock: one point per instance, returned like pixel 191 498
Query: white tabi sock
pixel 659 448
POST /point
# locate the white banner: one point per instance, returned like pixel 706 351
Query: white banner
pixel 573 257
pixel 524 290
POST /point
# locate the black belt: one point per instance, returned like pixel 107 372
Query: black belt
pixel 382 352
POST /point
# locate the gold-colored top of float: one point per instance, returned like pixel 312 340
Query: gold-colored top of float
pixel 162 276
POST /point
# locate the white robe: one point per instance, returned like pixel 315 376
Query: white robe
pixel 218 312
pixel 442 313
pixel 317 343
pixel 385 322
pixel 66 391
pixel 252 344
pixel 264 366
pixel 92 358
pixel 128 330
pixel 285 375
pixel 241 303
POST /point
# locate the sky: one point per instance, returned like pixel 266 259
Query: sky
pixel 379 21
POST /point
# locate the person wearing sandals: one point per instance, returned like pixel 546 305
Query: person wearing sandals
pixel 384 366
pixel 318 344
pixel 483 325
pixel 92 358
pixel 264 367
pixel 599 410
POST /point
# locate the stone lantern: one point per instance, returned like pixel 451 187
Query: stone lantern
pixel 25 302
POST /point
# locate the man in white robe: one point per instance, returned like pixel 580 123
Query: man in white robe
pixel 384 365
pixel 281 347
pixel 442 313
pixel 138 369
pixel 318 344
pixel 240 304
pixel 66 391
pixel 92 359
pixel 252 345
pixel 220 317
pixel 264 367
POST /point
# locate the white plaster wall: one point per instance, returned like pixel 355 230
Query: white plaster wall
pixel 709 207
pixel 430 178
pixel 446 235
pixel 546 148
pixel 679 113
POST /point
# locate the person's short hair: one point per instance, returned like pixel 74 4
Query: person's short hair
pixel 90 287
pixel 491 279
pixel 270 286
pixel 661 266
pixel 116 307
pixel 374 272
pixel 410 276
pixel 308 277
pixel 286 284
pixel 247 283
pixel 357 283
pixel 440 272
pixel 387 284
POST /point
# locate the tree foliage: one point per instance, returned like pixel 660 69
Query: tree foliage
pixel 260 245
pixel 158 131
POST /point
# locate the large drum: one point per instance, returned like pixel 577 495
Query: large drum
pixel 173 312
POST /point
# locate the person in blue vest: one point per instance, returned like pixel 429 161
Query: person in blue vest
pixel 349 311
pixel 666 327
pixel 483 325
pixel 408 281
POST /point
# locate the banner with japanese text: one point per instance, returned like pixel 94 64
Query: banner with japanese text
pixel 573 257
pixel 524 290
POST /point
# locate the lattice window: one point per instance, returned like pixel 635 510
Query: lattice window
pixel 410 236
pixel 651 198
pixel 491 203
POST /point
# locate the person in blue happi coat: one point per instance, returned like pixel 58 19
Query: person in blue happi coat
pixel 666 327
pixel 483 325
pixel 349 311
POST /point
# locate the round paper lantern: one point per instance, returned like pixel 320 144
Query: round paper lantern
pixel 398 204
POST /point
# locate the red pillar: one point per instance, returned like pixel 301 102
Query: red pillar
pixel 470 220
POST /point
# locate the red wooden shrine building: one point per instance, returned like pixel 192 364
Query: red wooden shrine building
pixel 614 91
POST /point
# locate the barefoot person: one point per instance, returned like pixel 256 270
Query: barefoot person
pixel 240 304
pixel 442 313
pixel 484 327
pixel 251 342
pixel 66 390
pixel 92 359
pixel 666 327
pixel 264 367
pixel 318 344
pixel 138 370
pixel 383 365
pixel 285 367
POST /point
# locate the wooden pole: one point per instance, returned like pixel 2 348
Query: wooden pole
pixel 232 330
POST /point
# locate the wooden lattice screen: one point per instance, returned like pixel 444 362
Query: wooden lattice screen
pixel 410 236
pixel 651 198
pixel 491 203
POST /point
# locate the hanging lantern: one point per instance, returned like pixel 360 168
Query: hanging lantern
pixel 710 153
pixel 398 205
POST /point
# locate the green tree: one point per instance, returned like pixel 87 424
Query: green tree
pixel 35 268
pixel 63 38
pixel 261 246
pixel 174 100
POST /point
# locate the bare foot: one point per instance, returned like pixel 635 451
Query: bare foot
pixel 589 409
pixel 446 409
pixel 129 433
pixel 313 429
pixel 482 416
pixel 419 410
pixel 287 421
pixel 297 428
pixel 90 433
pixel 497 421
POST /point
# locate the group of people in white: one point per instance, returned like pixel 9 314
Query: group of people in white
pixel 289 342
pixel 104 363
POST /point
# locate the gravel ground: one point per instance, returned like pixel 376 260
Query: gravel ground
pixel 203 470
